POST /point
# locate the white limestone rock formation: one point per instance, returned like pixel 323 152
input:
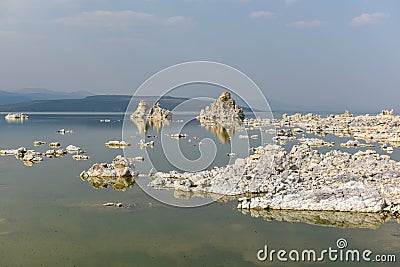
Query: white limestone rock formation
pixel 116 144
pixel 120 174
pixel 303 179
pixel 142 110
pixel 119 167
pixel 223 109
pixel 16 116
pixel 159 113
pixel 155 113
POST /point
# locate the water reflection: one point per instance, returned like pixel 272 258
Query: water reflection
pixel 118 183
pixel 223 134
pixel 323 218
pixel 15 120
pixel 157 124
pixel 143 125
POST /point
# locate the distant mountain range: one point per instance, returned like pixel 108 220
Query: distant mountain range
pixel 45 100
pixel 32 94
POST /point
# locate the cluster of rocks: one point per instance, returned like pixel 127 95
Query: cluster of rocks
pixel 155 113
pixel 383 128
pixel 30 156
pixel 16 116
pixel 303 179
pixel 120 174
pixel 143 143
pixel 63 131
pixel 156 117
pixel 53 153
pixel 283 135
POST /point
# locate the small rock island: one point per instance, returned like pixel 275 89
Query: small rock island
pixel 155 113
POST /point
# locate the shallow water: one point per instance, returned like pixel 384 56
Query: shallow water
pixel 50 217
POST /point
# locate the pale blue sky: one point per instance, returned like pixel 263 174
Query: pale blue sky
pixel 297 51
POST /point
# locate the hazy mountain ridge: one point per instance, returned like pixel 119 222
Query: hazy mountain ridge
pixel 32 94
pixel 102 103
pixel 45 100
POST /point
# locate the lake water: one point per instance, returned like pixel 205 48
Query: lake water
pixel 51 217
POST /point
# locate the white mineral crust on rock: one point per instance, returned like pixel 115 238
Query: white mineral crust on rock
pixel 303 179
pixel 119 167
pixel 155 113
pixel 222 109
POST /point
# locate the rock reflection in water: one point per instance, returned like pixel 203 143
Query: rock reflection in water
pixel 143 125
pixel 223 134
pixel 158 124
pixel 323 218
pixel 118 183
pixel 16 120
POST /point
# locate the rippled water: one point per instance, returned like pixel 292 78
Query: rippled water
pixel 50 217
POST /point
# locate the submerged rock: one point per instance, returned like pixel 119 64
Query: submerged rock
pixel 63 131
pixel 80 157
pixel 322 218
pixel 39 143
pixel 143 144
pixel 74 149
pixel 355 143
pixel 113 204
pixel 116 144
pixel 54 144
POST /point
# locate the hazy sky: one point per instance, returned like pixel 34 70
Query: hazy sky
pixel 297 51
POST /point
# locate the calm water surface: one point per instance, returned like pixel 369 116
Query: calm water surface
pixel 50 217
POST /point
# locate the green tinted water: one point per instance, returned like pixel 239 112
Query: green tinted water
pixel 50 217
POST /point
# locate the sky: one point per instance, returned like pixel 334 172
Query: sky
pixel 300 52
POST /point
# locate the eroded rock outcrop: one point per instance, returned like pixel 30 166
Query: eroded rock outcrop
pixel 156 117
pixel 142 110
pixel 159 113
pixel 222 117
pixel 222 109
pixel 155 113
